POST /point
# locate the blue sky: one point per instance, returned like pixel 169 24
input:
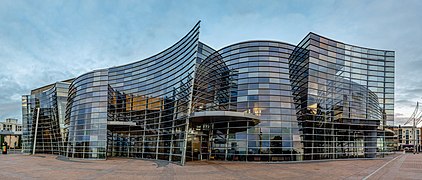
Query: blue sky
pixel 45 41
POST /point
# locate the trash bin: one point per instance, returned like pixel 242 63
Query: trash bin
pixel 4 148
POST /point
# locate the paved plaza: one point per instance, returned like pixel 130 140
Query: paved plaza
pixel 18 166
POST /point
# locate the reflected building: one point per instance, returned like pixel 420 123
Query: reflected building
pixel 250 101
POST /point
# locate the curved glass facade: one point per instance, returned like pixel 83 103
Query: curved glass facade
pixel 152 94
pixel 250 77
pixel 250 101
pixel 50 135
pixel 344 97
pixel 86 115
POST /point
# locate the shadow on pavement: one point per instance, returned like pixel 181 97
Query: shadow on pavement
pixel 66 159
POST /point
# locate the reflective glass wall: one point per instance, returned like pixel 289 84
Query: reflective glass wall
pixel 136 110
pixel 45 109
pixel 86 116
pixel 27 136
pixel 253 78
pixel 272 101
pixel 344 97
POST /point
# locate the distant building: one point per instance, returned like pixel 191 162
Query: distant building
pixel 407 137
pixel 11 133
pixel 404 136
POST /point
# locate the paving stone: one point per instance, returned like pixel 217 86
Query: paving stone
pixel 19 166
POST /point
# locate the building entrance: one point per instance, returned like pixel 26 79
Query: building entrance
pixel 197 147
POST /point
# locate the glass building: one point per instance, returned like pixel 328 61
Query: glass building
pixel 250 101
pixel 343 96
pixel 43 115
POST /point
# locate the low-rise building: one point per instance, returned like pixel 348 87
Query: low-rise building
pixel 407 137
pixel 11 133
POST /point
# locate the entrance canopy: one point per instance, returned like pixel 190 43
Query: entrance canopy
pixel 222 116
pixel 121 125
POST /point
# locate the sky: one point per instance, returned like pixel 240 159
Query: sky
pixel 42 42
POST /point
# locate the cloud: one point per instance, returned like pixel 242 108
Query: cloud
pixel 41 43
pixel 398 114
pixel 400 120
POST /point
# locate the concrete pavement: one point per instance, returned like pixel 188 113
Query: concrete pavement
pixel 406 166
pixel 18 166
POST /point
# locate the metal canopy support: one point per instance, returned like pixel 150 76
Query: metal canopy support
pixel 185 143
pixel 172 130
pixel 158 130
pixel 415 144
pixel 129 144
pixel 36 131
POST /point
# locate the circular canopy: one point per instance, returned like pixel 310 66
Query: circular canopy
pixel 222 116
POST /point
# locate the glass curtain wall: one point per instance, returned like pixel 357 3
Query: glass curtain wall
pixel 136 110
pixel 27 136
pixel 250 77
pixel 86 116
pixel 273 101
pixel 155 94
pixel 343 95
pixel 51 101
